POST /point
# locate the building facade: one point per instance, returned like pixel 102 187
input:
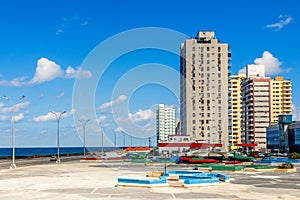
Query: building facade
pixel 166 125
pixel 204 73
pixel 281 98
pixel 284 137
pixel 255 89
pixel 235 110
pixel 263 101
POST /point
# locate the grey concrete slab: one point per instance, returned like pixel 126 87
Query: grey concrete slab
pixel 75 180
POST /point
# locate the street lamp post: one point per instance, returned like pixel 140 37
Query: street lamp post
pixel 13 165
pixel 58 116
pixel 115 140
pixel 102 150
pixel 124 140
pixel 84 122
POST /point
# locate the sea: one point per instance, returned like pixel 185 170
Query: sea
pixel 49 151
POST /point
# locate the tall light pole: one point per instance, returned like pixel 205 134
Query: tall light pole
pixel 84 122
pixel 13 165
pixel 58 116
pixel 124 134
pixel 115 140
pixel 102 150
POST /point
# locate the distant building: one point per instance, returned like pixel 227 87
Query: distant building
pixel 281 98
pixel 255 108
pixel 177 132
pixel 204 65
pixel 263 100
pixel 284 137
pixel 255 71
pixel 235 110
pixel 175 145
pixel 166 126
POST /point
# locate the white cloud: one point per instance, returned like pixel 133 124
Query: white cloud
pixel 42 95
pixel 4 118
pixel 142 115
pixel 85 23
pixel 16 82
pixel 295 112
pixel 18 107
pixel 101 119
pixel 271 63
pixel 79 73
pixel 119 129
pixel 60 95
pixel 283 21
pixel 104 107
pixel 51 117
pixel 68 22
pixel 242 71
pixel 105 125
pixel 46 70
pixel 19 117
pixel 43 132
pixel 59 31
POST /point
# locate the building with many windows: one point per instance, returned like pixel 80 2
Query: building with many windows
pixel 284 137
pixel 281 98
pixel 166 125
pixel 235 110
pixel 255 90
pixel 204 74
pixel 263 100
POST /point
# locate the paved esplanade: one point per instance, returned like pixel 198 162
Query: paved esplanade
pixel 74 180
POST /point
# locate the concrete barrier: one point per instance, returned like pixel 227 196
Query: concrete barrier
pixel 142 182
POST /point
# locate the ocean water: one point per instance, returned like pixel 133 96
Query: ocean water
pixel 48 151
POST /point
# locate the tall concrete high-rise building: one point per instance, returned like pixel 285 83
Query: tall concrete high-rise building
pixel 166 124
pixel 256 109
pixel 281 98
pixel 235 110
pixel 204 73
pixel 263 100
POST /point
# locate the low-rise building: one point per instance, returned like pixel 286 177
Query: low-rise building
pixel 284 137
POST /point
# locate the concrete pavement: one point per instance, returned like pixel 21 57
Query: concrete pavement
pixel 75 180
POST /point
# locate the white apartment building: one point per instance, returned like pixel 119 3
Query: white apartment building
pixel 204 73
pixel 166 124
pixel 256 111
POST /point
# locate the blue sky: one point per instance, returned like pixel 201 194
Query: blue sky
pixel 45 44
